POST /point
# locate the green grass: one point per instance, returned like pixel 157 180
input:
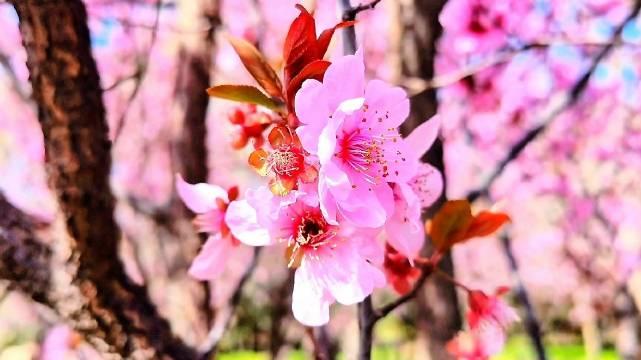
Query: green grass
pixel 518 348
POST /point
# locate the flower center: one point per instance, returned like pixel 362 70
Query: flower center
pixel 362 153
pixel 310 230
pixel 482 20
pixel 285 160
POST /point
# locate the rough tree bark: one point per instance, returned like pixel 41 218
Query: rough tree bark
pixel 24 260
pixel 67 90
pixel 439 315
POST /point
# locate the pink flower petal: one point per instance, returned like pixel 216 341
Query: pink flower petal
pixel 344 79
pixel 242 220
pixel 404 229
pixel 387 105
pixel 199 198
pixel 313 113
pixel 422 138
pixel 310 302
pixel 344 272
pixel 212 258
pixel 427 184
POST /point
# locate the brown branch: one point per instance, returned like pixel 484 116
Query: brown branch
pixel 66 87
pixel 349 14
pixel 5 62
pixel 387 309
pixel 24 260
pixel 280 311
pixel 573 97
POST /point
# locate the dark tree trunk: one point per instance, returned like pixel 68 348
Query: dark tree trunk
pixel 439 313
pixel 67 90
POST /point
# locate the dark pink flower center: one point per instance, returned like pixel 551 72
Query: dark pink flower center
pixel 482 20
pixel 312 230
pixel 363 152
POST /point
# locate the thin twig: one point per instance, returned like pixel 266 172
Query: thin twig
pixel 209 348
pixel 141 70
pixel 417 86
pixel 349 14
pixel 571 99
pixel 385 310
pixel 532 325
pixel 5 62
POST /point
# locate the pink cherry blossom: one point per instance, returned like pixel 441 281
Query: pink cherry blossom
pixel 488 317
pixel 351 126
pixel 209 203
pixel 467 346
pixel 479 25
pixel 331 265
pixel 404 228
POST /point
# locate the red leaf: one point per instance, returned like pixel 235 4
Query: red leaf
pixel 257 66
pixel 486 223
pixel 313 70
pixel 300 43
pixel 450 224
pixel 326 37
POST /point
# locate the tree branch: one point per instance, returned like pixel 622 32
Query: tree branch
pixel 5 62
pixel 387 309
pixel 532 325
pixel 349 14
pixel 571 99
pixel 66 87
pixel 24 260
pixel 366 321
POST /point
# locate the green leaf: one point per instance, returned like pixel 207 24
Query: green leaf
pixel 243 93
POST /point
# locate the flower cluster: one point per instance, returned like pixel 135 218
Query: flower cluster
pixel 345 190
pixel 343 185
pixel 488 318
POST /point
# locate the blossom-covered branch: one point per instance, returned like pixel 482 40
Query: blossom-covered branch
pixel 570 99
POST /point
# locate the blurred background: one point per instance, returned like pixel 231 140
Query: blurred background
pixel 524 131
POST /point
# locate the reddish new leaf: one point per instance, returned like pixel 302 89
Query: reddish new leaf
pixel 326 37
pixel 313 70
pixel 243 93
pixel 486 223
pixel 300 43
pixel 450 224
pixel 257 66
